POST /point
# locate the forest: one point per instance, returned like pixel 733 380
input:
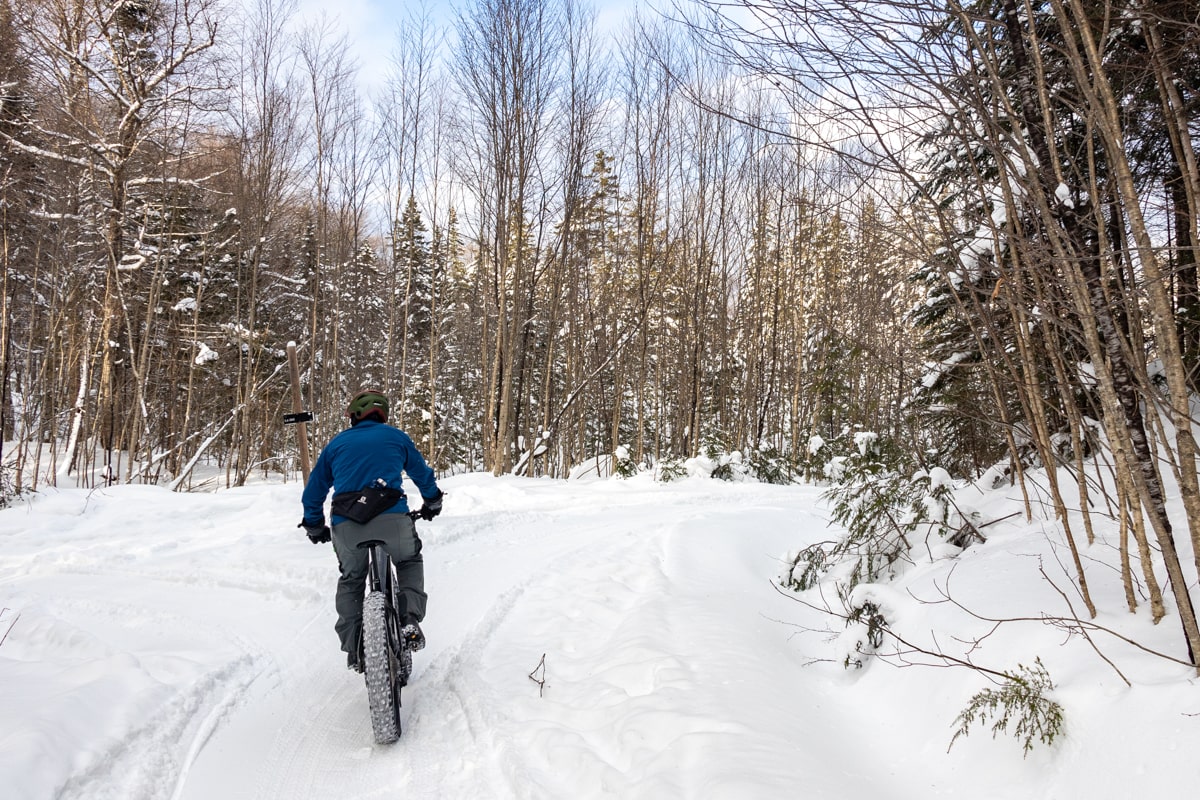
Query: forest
pixel 746 230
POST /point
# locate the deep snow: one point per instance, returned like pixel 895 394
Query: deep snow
pixel 180 646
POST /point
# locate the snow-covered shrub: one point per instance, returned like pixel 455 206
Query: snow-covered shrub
pixel 731 467
pixel 1022 698
pixel 865 627
pixel 700 466
pixel 726 465
pixel 723 471
pixel 670 469
pixel 8 488
pixel 769 465
pixel 893 513
pixel 885 509
pixel 872 502
pixel 823 457
pixel 815 460
pixel 805 568
pixel 623 464
pixel 999 473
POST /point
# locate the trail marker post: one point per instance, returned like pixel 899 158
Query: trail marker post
pixel 299 416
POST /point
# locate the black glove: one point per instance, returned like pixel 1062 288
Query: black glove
pixel 432 507
pixel 318 532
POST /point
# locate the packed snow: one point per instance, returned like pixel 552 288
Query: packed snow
pixel 586 638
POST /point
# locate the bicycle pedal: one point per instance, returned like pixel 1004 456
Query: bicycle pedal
pixel 413 638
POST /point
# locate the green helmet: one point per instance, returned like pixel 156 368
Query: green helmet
pixel 367 403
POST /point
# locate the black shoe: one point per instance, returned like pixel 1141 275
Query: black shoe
pixel 353 662
pixel 412 636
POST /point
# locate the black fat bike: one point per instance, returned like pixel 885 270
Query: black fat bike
pixel 387 659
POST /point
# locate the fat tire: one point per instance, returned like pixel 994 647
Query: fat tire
pixel 380 671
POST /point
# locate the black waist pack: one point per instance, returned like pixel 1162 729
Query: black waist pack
pixel 365 505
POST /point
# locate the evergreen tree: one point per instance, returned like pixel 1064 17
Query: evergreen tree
pixel 460 356
pixel 414 281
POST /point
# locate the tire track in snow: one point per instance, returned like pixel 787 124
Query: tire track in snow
pixel 477 686
pixel 449 733
pixel 609 649
pixel 143 762
pixel 589 589
pixel 320 744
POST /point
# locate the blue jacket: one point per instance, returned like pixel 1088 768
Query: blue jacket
pixel 359 456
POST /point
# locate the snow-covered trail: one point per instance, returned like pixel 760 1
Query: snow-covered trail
pixel 160 645
pixel 193 637
pixel 662 661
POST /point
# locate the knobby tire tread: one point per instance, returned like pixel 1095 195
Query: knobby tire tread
pixel 385 715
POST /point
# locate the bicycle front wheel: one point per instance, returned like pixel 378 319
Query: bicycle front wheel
pixel 380 667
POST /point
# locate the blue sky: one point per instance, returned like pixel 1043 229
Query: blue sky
pixel 372 24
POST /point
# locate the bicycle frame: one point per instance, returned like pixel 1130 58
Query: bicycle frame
pixel 379 568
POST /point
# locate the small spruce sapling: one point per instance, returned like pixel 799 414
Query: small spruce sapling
pixel 884 506
pixel 805 568
pixel 769 465
pixel 623 464
pixel 868 618
pixel 1021 699
pixel 669 470
pixel 727 464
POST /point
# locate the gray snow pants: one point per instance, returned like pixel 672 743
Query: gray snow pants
pixel 399 537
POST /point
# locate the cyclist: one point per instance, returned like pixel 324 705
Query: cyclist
pixel 363 465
